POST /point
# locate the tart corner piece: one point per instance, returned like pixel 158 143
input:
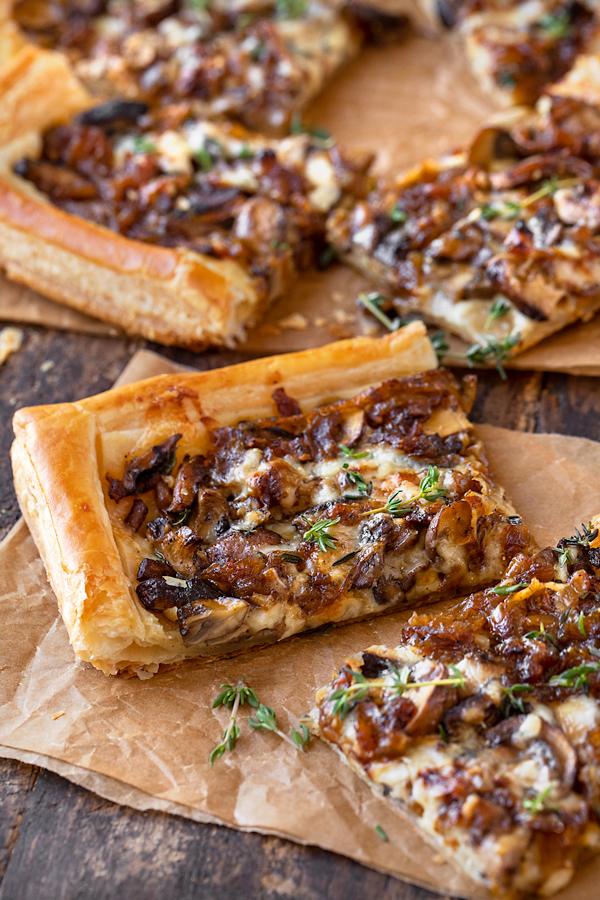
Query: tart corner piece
pixel 482 726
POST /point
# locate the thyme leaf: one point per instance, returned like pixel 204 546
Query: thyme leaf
pixel 429 490
pixel 500 307
pixel 575 678
pixel 319 533
pixel 498 350
pixel 380 833
pixel 512 702
pixel 267 721
pixel 539 803
pixel 372 302
pixel 503 591
pixel 232 698
pixel 352 454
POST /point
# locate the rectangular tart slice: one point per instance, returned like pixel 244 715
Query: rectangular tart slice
pixel 197 515
pixel 500 243
pixel 171 226
pixel 483 724
pixel 258 62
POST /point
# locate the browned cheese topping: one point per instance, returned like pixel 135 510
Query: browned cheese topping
pixel 357 507
pixel 178 181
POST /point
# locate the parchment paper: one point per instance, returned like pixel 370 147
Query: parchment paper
pixel 404 102
pixel 147 743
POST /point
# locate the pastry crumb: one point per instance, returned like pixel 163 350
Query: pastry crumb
pixel 343 317
pixel 296 321
pixel 58 715
pixel 47 365
pixel 10 341
pixel 320 321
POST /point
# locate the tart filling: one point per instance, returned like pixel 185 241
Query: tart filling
pixel 365 505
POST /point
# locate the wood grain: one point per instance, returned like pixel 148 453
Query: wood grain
pixel 60 842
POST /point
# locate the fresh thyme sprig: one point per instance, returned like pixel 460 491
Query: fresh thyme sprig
pixel 267 720
pixel 516 703
pixel 539 803
pixel 510 209
pixel 429 490
pixel 319 533
pixel 232 698
pixel 290 9
pixel 575 678
pixel 498 309
pixel 541 635
pixel 581 624
pixel 372 302
pixel 480 351
pixel 555 25
pixel 398 215
pixel 498 350
pixel 352 454
pixel 581 538
pixel 503 591
pixel 355 479
pixel 345 698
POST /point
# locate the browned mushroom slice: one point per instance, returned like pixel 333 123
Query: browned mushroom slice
pixel 212 621
pixel 432 700
pixel 543 744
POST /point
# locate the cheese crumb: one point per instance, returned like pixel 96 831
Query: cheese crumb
pixel 10 341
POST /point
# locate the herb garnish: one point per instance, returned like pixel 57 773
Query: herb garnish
pixel 556 25
pixel 267 720
pixel 398 215
pixel 443 734
pixel 290 9
pixel 232 698
pixel 352 454
pixel 499 350
pixel 429 490
pixel 509 589
pixel 510 209
pixel 499 308
pixel 245 151
pixel 142 144
pixel 319 533
pixel 319 134
pixel 291 557
pixel 345 558
pixel 372 302
pixel 345 698
pixel 380 833
pixel 204 159
pixel 326 257
pixel 356 480
pixel 439 344
pixel 516 702
pixel 576 677
pixel 581 624
pixel 539 803
pixel 541 635
pixel 581 538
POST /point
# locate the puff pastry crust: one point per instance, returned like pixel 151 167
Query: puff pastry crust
pixel 62 452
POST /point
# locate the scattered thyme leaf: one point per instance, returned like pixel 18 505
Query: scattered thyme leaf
pixel 380 833
pixel 539 803
pixel 291 557
pixel 498 350
pixel 344 559
pixel 319 533
pixel 301 738
pixel 142 144
pixel 576 677
pixel 443 734
pixel 398 215
pixel 499 308
pixel 582 625
pixel 429 490
pixel 352 454
pixel 503 591
pixel 556 25
pixel 372 302
pixel 516 703
pixel 439 344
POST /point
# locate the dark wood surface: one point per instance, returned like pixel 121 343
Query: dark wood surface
pixel 60 842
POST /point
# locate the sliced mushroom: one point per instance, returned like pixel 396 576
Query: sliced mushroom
pixel 164 591
pixel 450 529
pixel 211 621
pixel 479 709
pixel 113 111
pixel 432 701
pixel 533 735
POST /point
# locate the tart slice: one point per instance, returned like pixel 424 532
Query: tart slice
pixel 168 225
pixel 483 724
pixel 501 243
pixel 252 61
pixel 198 515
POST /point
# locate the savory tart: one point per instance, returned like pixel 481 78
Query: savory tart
pixel 516 48
pixel 483 725
pixel 168 225
pixel 259 62
pixel 198 515
pixel 499 243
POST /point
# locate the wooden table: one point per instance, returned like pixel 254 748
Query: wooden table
pixel 60 842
